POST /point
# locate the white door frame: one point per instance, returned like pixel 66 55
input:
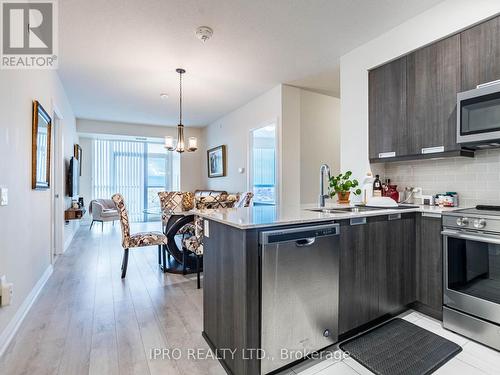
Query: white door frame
pixel 57 185
pixel 276 122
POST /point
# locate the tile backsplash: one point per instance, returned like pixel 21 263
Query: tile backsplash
pixel 476 180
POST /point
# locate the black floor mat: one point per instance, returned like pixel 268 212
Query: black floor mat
pixel 400 347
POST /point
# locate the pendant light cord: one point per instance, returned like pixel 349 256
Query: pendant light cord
pixel 180 98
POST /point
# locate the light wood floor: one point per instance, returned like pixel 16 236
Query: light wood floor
pixel 88 321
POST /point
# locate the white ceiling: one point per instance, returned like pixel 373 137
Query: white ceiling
pixel 117 56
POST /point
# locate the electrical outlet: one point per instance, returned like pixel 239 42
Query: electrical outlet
pixel 206 228
pixel 4 196
pixel 6 292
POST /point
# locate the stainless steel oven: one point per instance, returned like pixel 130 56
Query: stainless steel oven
pixel 478 116
pixel 471 245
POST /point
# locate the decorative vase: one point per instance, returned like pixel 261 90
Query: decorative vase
pixel 343 196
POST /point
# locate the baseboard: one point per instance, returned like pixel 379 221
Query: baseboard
pixel 9 332
pixel 214 350
pixel 428 310
pixel 67 241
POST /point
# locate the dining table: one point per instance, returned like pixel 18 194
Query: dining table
pixel 174 259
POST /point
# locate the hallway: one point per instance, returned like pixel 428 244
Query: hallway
pixel 88 321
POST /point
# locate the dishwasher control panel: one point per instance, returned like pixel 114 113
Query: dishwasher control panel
pixel 299 233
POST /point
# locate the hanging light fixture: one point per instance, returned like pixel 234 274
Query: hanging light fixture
pixel 180 146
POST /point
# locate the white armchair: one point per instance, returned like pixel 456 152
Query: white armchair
pixel 103 210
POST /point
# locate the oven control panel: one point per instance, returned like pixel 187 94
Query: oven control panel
pixel 464 222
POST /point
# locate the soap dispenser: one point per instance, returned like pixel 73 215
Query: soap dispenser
pixel 367 187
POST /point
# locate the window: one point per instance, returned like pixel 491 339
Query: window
pixel 263 165
pixel 137 170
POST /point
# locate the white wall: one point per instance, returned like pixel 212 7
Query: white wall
pixel 191 162
pixel 308 127
pixel 25 224
pixel 438 22
pixel 233 130
pixel 319 140
pixel 289 167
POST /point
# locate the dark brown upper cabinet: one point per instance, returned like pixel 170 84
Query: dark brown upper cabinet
pixel 388 136
pixel 433 81
pixel 412 100
pixel 480 46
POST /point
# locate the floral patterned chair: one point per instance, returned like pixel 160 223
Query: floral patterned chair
pixel 173 202
pixel 135 240
pixel 194 243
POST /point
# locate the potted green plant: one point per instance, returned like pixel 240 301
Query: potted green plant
pixel 342 186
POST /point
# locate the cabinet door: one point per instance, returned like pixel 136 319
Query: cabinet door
pixel 433 76
pixel 480 46
pixel 357 291
pixel 395 263
pixel 387 109
pixel 430 263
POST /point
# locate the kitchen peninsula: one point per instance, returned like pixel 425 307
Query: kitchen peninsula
pixel 288 279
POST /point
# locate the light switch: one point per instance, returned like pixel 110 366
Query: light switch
pixel 4 196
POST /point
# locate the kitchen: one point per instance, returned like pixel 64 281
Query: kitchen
pixel 432 122
pixel 361 147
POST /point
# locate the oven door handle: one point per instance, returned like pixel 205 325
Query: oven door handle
pixel 472 237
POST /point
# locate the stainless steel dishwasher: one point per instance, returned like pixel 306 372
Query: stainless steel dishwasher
pixel 300 292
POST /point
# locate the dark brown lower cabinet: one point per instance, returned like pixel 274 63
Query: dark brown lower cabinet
pixel 396 264
pixel 358 301
pixel 231 308
pixel 377 274
pixel 429 266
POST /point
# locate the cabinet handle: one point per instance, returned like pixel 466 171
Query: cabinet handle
pixel 394 217
pixel 382 155
pixel 431 214
pixel 305 242
pixel 358 221
pixel 432 150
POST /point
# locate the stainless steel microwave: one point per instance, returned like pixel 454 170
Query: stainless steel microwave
pixel 478 116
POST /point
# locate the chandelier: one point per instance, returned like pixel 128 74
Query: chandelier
pixel 180 146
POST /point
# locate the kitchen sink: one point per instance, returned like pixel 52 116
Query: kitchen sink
pixel 359 209
pixel 341 210
pixel 327 210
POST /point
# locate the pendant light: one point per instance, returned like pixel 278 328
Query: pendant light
pixel 180 146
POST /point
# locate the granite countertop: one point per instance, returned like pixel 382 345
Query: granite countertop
pixel 268 216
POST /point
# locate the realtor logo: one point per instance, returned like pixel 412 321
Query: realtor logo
pixel 28 34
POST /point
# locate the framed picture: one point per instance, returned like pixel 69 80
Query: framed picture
pixel 216 158
pixel 40 147
pixel 77 153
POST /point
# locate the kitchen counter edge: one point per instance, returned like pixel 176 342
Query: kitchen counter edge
pixel 240 217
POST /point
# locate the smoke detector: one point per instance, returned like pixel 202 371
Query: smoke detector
pixel 204 33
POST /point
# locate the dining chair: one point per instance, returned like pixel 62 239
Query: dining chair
pixel 173 202
pixel 141 239
pixel 194 243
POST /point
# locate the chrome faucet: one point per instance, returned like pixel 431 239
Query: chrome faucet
pixel 322 196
